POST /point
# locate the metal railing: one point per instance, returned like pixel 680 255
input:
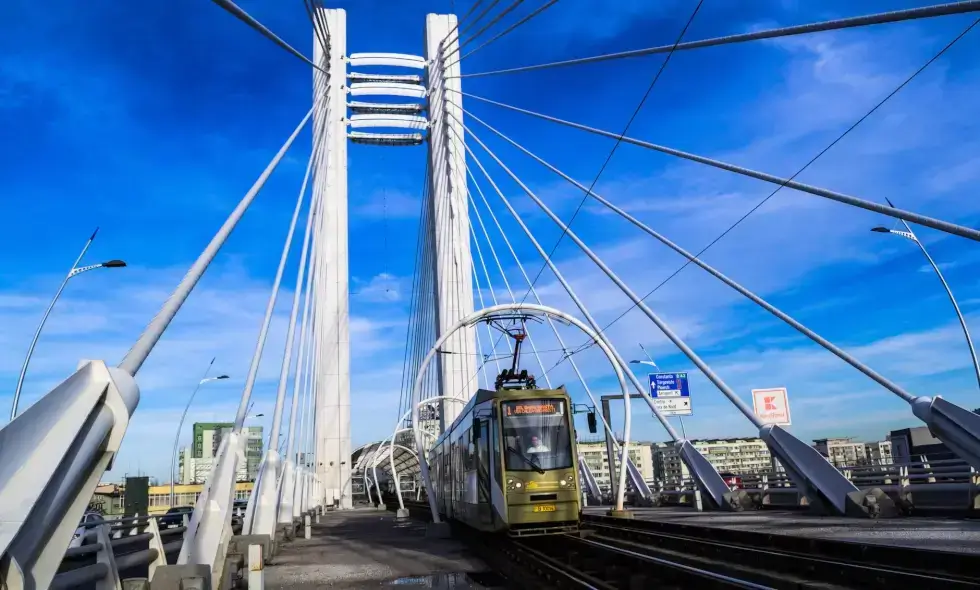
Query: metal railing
pixel 926 484
pixel 127 549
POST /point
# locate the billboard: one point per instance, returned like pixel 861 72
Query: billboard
pixel 671 393
pixel 771 406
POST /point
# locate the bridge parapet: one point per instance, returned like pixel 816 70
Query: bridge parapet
pixel 82 422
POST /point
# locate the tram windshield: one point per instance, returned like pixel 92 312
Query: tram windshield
pixel 536 435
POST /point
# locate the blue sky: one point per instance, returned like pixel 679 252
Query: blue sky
pixel 151 120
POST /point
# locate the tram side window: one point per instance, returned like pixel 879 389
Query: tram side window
pixel 537 436
pixel 495 446
pixel 469 450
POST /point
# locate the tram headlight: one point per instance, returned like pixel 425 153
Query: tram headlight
pixel 563 483
pixel 514 484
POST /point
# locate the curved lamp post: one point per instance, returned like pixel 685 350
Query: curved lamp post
pixel 173 461
pixel 75 271
pixel 909 235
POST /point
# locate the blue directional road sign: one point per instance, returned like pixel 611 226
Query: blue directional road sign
pixel 671 394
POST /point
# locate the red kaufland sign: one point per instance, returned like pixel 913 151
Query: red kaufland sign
pixel 771 405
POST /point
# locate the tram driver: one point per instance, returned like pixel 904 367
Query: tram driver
pixel 537 446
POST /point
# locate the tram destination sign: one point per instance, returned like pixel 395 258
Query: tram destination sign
pixel 532 408
pixel 671 393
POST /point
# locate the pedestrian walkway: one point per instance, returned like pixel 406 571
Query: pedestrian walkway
pixel 368 548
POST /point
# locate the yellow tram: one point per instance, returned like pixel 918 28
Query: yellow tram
pixel 509 461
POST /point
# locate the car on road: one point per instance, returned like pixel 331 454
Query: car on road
pixel 89 519
pixel 175 517
pixel 734 481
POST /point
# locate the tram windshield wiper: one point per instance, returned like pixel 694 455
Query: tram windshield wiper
pixel 527 460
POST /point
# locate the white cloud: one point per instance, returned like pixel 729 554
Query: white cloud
pixel 913 150
pixel 101 318
pixel 827 83
pixel 383 287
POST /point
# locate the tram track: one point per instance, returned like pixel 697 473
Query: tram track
pixel 778 568
pixel 571 561
pixel 585 562
pixel 615 554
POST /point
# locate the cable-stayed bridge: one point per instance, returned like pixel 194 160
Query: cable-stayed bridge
pixel 464 325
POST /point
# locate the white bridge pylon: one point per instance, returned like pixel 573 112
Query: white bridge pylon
pixel 488 314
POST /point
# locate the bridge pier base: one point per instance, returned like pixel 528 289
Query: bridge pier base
pixel 624 514
pixel 238 545
pixel 401 514
pixel 180 577
pixel 826 488
pixel 709 482
pixel 959 429
pixel 286 532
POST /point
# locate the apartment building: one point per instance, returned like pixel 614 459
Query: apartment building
pixel 594 454
pixel 879 453
pixel 736 455
pixel 197 460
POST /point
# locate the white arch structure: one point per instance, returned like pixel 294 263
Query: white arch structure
pixel 417 433
pixel 486 313
pixel 391 444
pixel 377 456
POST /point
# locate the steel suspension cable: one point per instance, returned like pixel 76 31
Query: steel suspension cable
pixel 492 22
pixel 619 138
pixel 943 226
pixel 141 349
pixel 287 357
pixel 901 214
pixel 662 325
pixel 299 381
pixel 493 294
pixel 433 381
pixel 477 19
pixel 500 268
pixel 413 304
pixel 483 305
pixel 503 33
pixel 537 299
pixel 945 9
pixel 571 293
pixel 451 233
pixel 246 18
pixel 476 332
pixel 420 312
pixel 291 326
pixel 459 21
pixel 316 23
pixel 840 353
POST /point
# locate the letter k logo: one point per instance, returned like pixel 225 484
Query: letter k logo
pixel 769 405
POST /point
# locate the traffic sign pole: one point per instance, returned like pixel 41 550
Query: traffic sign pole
pixel 680 418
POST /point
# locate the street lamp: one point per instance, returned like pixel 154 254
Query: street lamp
pixel 909 235
pixel 173 461
pixel 75 271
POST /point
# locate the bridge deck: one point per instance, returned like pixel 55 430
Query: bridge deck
pixel 365 547
pixel 937 534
